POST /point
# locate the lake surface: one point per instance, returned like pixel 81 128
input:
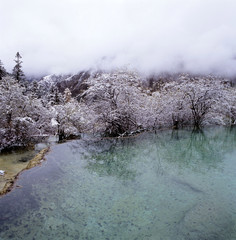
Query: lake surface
pixel 173 185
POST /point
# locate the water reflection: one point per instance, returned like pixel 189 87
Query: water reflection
pixel 114 161
pixel 197 150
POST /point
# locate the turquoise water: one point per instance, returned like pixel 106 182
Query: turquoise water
pixel 173 185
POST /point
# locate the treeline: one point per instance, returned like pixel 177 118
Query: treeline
pixel 114 104
pixel 122 102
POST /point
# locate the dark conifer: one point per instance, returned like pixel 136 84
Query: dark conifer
pixel 3 71
pixel 17 70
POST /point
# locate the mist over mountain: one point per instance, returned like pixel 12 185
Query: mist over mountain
pixel 68 36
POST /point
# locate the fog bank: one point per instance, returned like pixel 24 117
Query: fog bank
pixel 152 35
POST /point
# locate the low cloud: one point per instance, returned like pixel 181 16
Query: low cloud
pixel 152 35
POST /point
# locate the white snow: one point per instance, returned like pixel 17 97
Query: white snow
pixel 54 122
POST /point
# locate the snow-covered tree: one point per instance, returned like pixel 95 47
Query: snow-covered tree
pixel 67 95
pixel 67 119
pixel 54 96
pixel 112 100
pixel 22 118
pixel 33 89
pixel 17 70
pixel 118 102
pixel 3 72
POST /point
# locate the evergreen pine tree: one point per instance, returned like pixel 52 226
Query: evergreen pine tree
pixel 33 88
pixel 17 71
pixel 55 97
pixel 3 71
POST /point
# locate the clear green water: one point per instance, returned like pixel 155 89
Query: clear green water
pixel 166 186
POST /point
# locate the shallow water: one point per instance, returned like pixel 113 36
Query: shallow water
pixel 15 161
pixel 168 186
pixel 12 163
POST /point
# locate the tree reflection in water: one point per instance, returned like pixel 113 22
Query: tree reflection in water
pixel 115 160
pixel 197 150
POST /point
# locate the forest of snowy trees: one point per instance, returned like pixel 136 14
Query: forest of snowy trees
pixel 116 103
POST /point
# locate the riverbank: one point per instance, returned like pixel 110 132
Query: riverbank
pixel 10 176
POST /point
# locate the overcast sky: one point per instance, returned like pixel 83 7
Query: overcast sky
pixel 62 36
